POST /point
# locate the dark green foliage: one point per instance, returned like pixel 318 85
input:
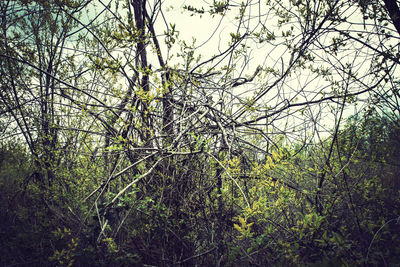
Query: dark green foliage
pixel 359 222
pixel 22 225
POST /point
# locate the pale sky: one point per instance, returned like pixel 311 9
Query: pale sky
pixel 212 34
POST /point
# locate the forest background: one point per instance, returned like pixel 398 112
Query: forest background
pixel 266 135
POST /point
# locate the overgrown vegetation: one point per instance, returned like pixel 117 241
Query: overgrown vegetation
pixel 124 144
pixel 269 218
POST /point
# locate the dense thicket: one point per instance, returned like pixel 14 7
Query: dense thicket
pixel 355 223
pixel 275 141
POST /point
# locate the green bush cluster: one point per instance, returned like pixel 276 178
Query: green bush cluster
pixel 213 211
